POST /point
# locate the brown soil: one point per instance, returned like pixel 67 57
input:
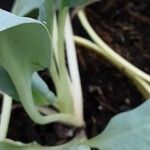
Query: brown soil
pixel 124 25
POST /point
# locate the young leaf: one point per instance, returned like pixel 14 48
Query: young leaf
pixel 127 131
pixel 41 93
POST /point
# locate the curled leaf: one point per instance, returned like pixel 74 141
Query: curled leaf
pixel 25 48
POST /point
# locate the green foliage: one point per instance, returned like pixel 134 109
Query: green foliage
pixel 126 131
pixel 41 93
pixel 43 96
pixel 40 89
pixel 25 48
pixel 19 57
pixel 24 7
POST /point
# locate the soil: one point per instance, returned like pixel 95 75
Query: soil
pixel 124 25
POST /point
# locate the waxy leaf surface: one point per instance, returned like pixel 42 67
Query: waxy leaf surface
pixel 24 49
pixel 127 131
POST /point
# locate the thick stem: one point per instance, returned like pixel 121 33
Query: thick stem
pixel 142 86
pixel 5 116
pixel 55 37
pixel 65 102
pixel 61 50
pixel 54 56
pixel 74 70
pixel 22 83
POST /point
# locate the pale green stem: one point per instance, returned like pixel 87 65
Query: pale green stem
pixel 46 110
pixel 141 84
pixel 61 51
pixel 22 83
pixel 5 116
pixel 65 102
pixel 54 73
pixel 53 66
pixel 126 66
pixel 74 70
pixel 65 99
pixel 26 98
pixel 55 37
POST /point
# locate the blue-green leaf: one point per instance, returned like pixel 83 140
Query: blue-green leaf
pixel 126 131
pixel 41 93
pixel 25 48
pixel 42 96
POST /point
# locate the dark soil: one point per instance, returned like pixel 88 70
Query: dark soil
pixel 124 25
pixel 6 5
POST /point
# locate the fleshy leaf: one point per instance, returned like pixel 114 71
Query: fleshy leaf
pixel 126 131
pixel 25 48
pixel 40 90
pixel 23 8
pixel 41 93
